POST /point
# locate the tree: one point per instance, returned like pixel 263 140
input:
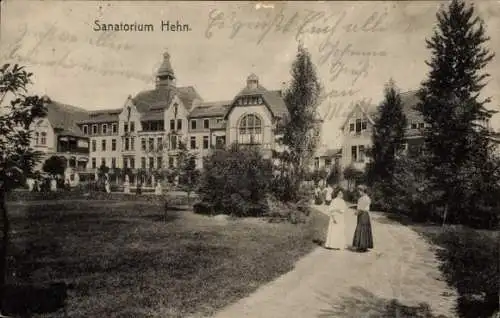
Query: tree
pixel 236 181
pixel 17 158
pixel 387 137
pixel 188 174
pixel 301 130
pixel 54 165
pixel 456 139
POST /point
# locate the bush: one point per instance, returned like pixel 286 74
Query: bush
pixel 236 181
pixel 204 208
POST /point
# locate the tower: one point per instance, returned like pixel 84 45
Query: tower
pixel 165 75
pixel 252 81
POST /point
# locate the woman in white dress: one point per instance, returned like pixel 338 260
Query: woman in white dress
pixel 335 237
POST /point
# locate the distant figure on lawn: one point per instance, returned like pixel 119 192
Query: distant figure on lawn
pixel 158 189
pixel 138 189
pixel 107 186
pixel 363 239
pixel 335 237
pixel 30 182
pixel 53 184
pixel 318 195
pixel 328 194
pixel 126 185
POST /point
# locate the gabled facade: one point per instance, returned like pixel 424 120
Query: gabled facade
pixel 57 134
pixel 358 128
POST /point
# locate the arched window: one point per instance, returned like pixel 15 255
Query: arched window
pixel 250 129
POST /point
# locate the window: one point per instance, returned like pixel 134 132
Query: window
pixel 250 130
pixel 159 162
pixel 219 120
pixel 172 124
pixel 421 125
pixel 94 129
pixel 413 125
pixel 193 124
pixel 103 145
pixel 125 163
pixel 328 162
pixel 104 128
pixel 103 162
pixel 151 142
pixel 363 125
pixel 132 127
pixel 43 140
pixel 132 163
pixel 159 143
pixel 143 162
pixel 361 150
pixel 114 128
pixel 179 124
pixel 205 142
pixel 351 127
pixel 173 142
pixel 125 127
pixel 132 143
pixel 85 129
pixel 94 146
pixel 354 153
pixel 36 138
pixel 127 144
pixel 151 163
pixel 113 162
pixel 170 162
pixel 316 163
pixel 358 125
pixel 113 144
pixel 94 163
pixel 193 142
pixel 206 123
pixel 143 144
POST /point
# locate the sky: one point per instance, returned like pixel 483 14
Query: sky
pixel 356 47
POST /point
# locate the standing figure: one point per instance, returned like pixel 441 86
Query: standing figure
pixel 335 237
pixel 138 189
pixel 76 181
pixel 30 182
pixel 363 239
pixel 328 194
pixel 126 185
pixel 107 185
pixel 53 184
pixel 158 189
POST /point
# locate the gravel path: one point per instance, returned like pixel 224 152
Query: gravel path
pixel 399 278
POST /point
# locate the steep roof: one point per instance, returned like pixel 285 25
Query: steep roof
pixel 160 98
pixel 272 99
pixel 102 116
pixel 409 100
pixel 64 118
pixel 211 109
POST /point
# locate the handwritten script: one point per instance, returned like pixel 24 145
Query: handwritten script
pixel 346 64
pixel 30 47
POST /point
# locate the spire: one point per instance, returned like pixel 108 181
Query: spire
pixel 165 74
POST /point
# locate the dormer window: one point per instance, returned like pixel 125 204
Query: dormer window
pixel 85 129
pixel 104 129
pixel 94 129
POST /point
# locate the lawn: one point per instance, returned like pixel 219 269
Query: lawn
pixel 129 259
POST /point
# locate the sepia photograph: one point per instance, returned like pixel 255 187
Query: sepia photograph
pixel 274 159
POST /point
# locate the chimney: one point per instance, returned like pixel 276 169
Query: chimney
pixel 283 88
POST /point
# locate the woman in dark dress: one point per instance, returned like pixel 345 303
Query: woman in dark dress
pixel 363 239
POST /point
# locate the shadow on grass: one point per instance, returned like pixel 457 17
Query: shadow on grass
pixel 24 300
pixel 363 303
